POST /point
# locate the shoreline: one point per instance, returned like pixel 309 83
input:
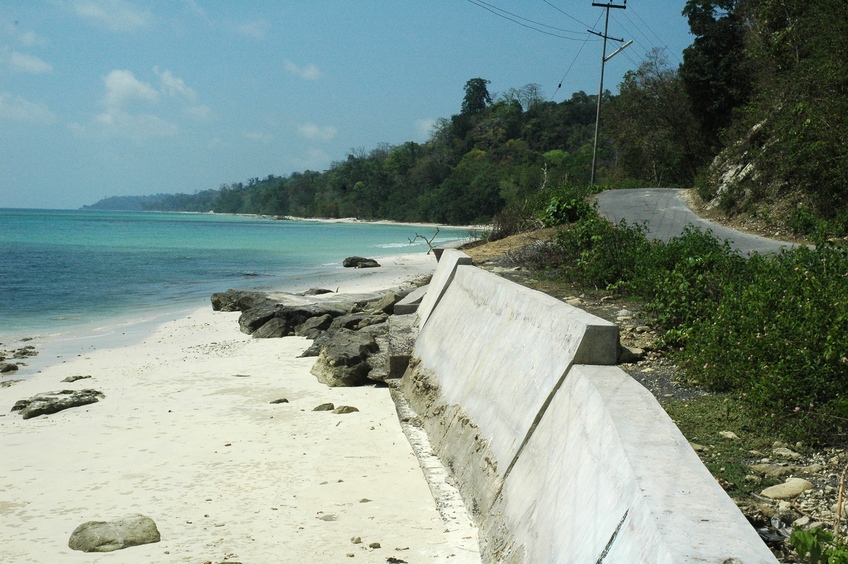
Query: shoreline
pixel 60 345
pixel 187 435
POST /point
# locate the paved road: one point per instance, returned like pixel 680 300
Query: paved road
pixel 666 214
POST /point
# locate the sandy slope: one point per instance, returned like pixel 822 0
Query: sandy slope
pixel 187 435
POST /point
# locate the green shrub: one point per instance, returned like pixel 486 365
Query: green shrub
pixel 685 278
pixel 566 208
pixel 779 337
pixel 818 547
pixel 594 252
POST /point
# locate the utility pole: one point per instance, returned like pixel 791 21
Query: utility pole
pixel 604 59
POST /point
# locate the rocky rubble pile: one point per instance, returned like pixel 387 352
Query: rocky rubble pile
pixel 350 332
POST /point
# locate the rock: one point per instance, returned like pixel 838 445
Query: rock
pixel 8 367
pixel 106 536
pixel 786 453
pixel 324 407
pixel 374 545
pixel 70 379
pixel 730 435
pixel 274 328
pixel 342 409
pixel 236 300
pixel 316 292
pixel 356 540
pixel 255 317
pixel 402 333
pixel 25 352
pixel 285 319
pixel 343 358
pixel 52 402
pixel 359 262
pixel 790 488
pixel 627 355
pixel 314 326
pixel 779 470
pixel 385 305
pixel 575 302
pixel 698 448
pixel 801 522
pixel 281 400
pixel 8 383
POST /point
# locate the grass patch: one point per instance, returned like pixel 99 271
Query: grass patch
pixel 702 421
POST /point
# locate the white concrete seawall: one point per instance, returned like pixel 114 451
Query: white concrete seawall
pixel 560 456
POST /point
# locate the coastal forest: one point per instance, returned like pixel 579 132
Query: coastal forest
pixel 755 114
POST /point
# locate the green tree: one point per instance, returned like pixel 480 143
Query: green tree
pixel 476 96
pixel 714 67
pixel 652 126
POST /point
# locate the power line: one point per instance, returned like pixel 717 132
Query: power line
pixel 569 67
pixel 566 14
pixel 588 38
pixel 635 13
pixel 515 19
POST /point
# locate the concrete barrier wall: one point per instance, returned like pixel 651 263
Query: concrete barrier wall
pixel 442 277
pixel 557 461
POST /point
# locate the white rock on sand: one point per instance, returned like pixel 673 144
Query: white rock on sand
pixel 187 435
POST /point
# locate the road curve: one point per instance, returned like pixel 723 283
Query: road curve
pixel 665 214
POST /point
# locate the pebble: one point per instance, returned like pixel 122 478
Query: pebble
pixel 729 435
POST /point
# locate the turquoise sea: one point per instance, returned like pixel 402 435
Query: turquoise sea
pixel 74 271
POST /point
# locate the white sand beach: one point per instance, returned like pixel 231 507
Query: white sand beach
pixel 187 435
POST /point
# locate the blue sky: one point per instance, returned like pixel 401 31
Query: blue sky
pixel 131 97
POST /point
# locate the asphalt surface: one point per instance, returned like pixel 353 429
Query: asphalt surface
pixel 665 214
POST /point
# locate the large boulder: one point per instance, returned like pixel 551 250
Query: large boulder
pixel 313 327
pixel 343 360
pixel 360 262
pixel 53 402
pixel 106 536
pixel 237 300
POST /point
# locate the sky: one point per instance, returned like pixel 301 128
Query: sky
pixel 102 98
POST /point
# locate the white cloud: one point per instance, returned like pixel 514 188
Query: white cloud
pixel 309 72
pixel 124 92
pixel 19 109
pixel 257 29
pixel 21 62
pixel 316 132
pixel 123 88
pixel 199 113
pixel 114 15
pixel 259 136
pixel 30 64
pixel 424 127
pixel 174 86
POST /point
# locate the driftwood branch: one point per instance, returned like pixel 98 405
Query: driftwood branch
pixel 425 239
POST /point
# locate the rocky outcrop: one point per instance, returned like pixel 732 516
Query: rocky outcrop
pixel 343 360
pixel 237 300
pixel 349 331
pixel 107 536
pixel 53 402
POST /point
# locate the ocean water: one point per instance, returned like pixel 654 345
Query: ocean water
pixel 74 271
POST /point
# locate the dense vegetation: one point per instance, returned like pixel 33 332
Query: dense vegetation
pixel 771 330
pixel 489 155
